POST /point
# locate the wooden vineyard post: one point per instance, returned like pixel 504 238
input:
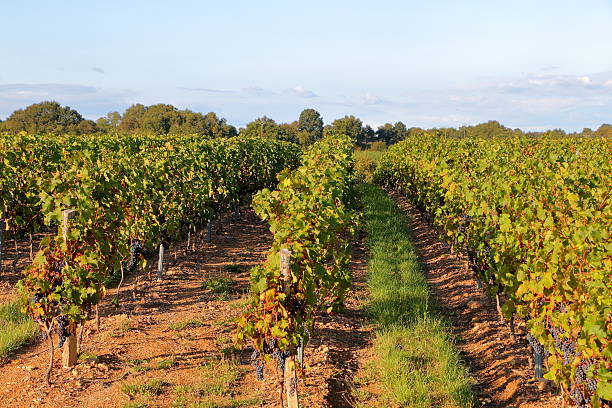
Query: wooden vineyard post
pixel 208 228
pixel 160 262
pixel 69 352
pixel 290 380
pixel 188 236
pixel 193 245
pixel 538 360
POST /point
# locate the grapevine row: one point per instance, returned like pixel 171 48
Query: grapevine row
pixel 534 217
pixel 126 192
pixel 309 215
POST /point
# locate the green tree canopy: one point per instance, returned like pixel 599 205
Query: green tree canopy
pixel 348 125
pixel 110 122
pixel 604 130
pixel 163 119
pixel 310 126
pixel 130 123
pixel 46 117
pixel 268 128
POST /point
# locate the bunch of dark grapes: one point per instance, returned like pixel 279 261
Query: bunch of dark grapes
pixel 258 364
pixel 37 297
pixel 578 397
pixel 566 345
pixel 581 374
pixel 280 357
pixel 62 330
pixel 535 344
pixel 295 306
pixel 58 267
pixel 135 252
pixel 464 222
pixel 269 346
pixel 293 385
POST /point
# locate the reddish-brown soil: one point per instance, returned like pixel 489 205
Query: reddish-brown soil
pixel 136 337
pixel 14 261
pixel 497 360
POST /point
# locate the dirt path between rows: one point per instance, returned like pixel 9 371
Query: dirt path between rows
pixel 169 344
pixel 497 361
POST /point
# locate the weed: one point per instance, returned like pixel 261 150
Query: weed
pixel 16 328
pixel 187 324
pixel 153 387
pixel 220 285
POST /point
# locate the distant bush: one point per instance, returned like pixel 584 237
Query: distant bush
pixel 364 168
pixel 378 146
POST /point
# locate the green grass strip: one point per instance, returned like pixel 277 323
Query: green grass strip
pixel 416 361
pixel 16 329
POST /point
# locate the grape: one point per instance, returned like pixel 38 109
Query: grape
pixel 535 344
pixel 591 384
pixel 293 385
pixel 62 330
pixel 136 251
pixel 37 297
pixel 58 267
pixel 578 397
pixel 269 346
pixel 259 370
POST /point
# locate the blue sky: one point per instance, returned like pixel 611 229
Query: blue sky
pixel 532 64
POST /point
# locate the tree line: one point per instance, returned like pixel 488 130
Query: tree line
pixel 164 119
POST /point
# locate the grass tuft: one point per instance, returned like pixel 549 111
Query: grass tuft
pixel 220 285
pixel 153 387
pixel 16 328
pixel 187 324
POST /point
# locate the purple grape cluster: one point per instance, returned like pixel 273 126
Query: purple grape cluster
pixel 535 344
pixel 258 364
pixel 293 385
pixel 136 250
pixel 578 397
pixel 566 345
pixel 62 330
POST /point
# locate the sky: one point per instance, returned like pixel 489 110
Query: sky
pixel 536 64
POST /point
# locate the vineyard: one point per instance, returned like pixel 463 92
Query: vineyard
pixel 534 217
pixel 126 194
pixel 308 327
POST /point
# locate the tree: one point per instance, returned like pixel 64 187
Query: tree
pixel 87 127
pixel 310 126
pixel 215 127
pixel 369 135
pixel 604 130
pixel 159 119
pixel 44 117
pixel 132 118
pixel 110 122
pixel 348 125
pixel 268 128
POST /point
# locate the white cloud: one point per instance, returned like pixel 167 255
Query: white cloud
pixel 369 99
pixel 302 92
pixel 207 90
pixel 257 91
pixel 90 101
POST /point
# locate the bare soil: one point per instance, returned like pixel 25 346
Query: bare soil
pixel 498 361
pixel 137 337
